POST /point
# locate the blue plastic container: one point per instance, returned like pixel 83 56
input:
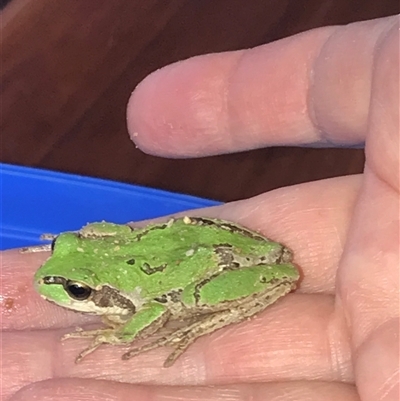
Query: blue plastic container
pixel 35 201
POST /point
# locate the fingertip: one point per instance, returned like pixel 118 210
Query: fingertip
pixel 142 105
pixel 178 110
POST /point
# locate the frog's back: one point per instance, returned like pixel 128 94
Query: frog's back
pixel 201 230
pixel 157 257
pixel 186 250
pixel 187 238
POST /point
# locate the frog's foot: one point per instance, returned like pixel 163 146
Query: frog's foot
pixel 37 248
pixel 180 346
pixel 48 237
pixel 176 340
pixel 101 336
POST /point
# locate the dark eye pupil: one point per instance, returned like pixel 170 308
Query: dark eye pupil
pixel 78 291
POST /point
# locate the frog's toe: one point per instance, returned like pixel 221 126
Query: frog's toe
pixel 180 344
pixel 79 333
pixel 139 350
pixel 173 356
pixel 92 347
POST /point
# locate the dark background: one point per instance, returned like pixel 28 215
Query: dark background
pixel 69 66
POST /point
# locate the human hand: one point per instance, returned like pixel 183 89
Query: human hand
pixel 337 336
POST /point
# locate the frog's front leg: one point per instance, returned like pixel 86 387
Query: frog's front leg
pixel 143 323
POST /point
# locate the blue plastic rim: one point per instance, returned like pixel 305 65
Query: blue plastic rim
pixel 35 201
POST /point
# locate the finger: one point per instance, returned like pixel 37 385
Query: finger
pixel 299 338
pixel 81 390
pixel 312 88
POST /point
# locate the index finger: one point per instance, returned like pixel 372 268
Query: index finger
pixel 312 88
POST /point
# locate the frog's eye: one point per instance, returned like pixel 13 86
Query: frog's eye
pixel 78 291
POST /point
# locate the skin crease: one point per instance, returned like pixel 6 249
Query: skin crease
pixel 337 338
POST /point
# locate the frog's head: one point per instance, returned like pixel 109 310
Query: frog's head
pixel 69 279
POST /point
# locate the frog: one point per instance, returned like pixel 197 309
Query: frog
pixel 204 273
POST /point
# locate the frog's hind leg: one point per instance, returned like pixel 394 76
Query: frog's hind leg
pixel 36 248
pixel 40 248
pixel 234 312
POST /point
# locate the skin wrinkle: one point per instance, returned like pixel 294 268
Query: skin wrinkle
pixel 309 110
pixel 311 100
pixel 331 48
pixel 380 176
pixel 253 128
pixel 337 359
pixel 229 84
pixel 388 385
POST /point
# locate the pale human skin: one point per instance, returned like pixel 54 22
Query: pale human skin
pixel 335 339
